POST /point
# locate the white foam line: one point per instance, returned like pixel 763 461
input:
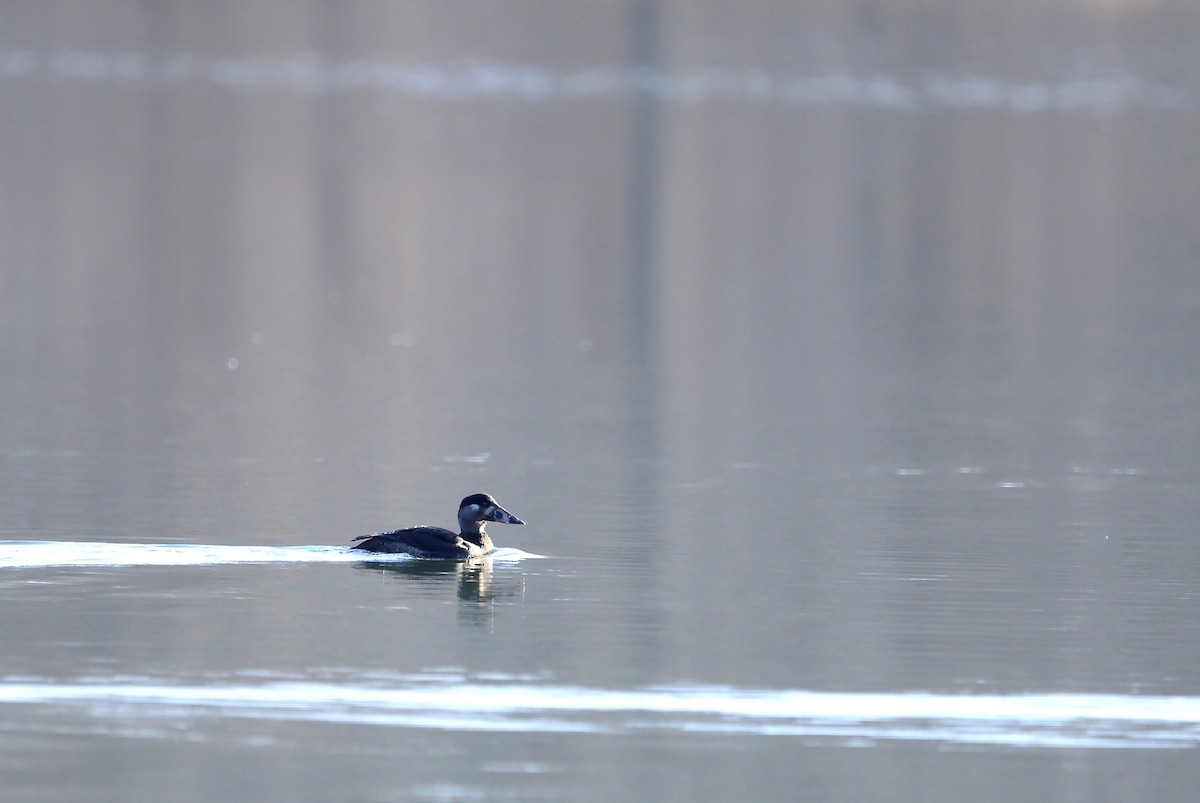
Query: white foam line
pixel 44 554
pixel 471 80
pixel 1033 720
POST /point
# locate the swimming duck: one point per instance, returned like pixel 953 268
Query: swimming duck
pixel 474 512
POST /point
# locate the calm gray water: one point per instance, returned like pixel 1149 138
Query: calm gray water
pixel 842 361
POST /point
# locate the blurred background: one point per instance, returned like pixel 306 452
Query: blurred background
pixel 839 345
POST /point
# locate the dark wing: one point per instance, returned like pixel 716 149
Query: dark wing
pixel 426 542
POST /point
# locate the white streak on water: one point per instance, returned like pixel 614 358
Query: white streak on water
pixel 1023 720
pixel 41 554
pixel 472 80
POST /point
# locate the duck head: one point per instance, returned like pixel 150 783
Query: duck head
pixel 477 509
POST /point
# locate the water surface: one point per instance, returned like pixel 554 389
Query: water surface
pixel 842 362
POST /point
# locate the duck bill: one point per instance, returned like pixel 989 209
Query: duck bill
pixel 504 517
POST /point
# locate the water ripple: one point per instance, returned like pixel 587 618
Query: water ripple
pixel 450 703
pixel 41 554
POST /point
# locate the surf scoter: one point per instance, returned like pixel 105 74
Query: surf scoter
pixel 471 541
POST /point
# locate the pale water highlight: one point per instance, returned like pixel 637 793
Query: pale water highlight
pixel 484 79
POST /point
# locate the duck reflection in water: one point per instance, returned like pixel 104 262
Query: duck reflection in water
pixel 475 577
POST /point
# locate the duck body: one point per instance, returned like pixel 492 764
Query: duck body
pixel 426 542
pixel 474 512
